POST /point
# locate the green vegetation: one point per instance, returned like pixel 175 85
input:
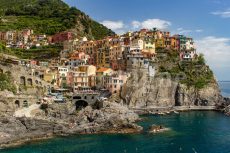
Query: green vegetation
pixel 45 52
pixel 6 82
pixel 192 73
pixel 48 17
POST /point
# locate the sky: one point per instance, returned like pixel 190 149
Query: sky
pixel 207 21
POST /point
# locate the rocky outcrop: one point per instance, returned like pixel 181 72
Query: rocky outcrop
pixel 208 96
pixel 224 106
pixel 142 91
pixel 63 120
pixel 111 118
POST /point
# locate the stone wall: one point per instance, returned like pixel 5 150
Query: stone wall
pixel 25 81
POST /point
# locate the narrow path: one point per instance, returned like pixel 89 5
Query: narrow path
pixel 26 112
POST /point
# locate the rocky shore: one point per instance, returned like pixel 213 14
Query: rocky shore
pixel 140 95
pixel 63 120
pixel 60 120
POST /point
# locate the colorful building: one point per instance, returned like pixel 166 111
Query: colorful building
pixel 77 59
pixel 61 37
pixel 115 82
pixel 84 76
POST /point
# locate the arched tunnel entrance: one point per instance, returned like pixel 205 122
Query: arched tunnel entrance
pixel 80 104
pixel 23 80
pixel 17 103
pixel 30 82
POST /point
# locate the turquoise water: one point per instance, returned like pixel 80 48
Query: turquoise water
pixel 201 132
pixel 191 132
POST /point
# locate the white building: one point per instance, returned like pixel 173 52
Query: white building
pixel 137 44
pixel 189 44
pixel 63 71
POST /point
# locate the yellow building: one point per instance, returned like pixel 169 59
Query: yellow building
pixel 160 43
pixel 104 71
pixel 84 76
pixel 149 46
pixel 103 53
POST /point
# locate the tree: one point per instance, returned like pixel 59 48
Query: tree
pixel 201 59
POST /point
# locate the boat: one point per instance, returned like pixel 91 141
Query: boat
pixel 161 113
pixel 176 112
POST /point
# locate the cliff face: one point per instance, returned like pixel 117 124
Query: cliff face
pixel 142 91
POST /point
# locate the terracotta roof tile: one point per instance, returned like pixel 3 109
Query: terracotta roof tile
pixel 103 69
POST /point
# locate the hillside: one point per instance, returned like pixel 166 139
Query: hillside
pixel 49 17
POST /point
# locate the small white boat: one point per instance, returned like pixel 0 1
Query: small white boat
pixel 176 112
pixel 161 113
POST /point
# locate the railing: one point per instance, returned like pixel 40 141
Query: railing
pixel 86 92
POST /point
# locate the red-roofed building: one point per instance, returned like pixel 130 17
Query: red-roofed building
pixel 61 37
pixel 77 59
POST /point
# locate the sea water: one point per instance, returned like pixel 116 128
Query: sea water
pixel 190 132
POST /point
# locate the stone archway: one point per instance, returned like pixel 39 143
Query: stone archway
pixel 25 103
pixel 23 80
pixel 17 103
pixel 29 82
pixel 80 104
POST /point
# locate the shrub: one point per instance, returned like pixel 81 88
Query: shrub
pixel 6 82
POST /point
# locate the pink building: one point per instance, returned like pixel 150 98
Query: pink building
pixel 33 62
pixel 115 82
pixel 114 65
pixel 70 79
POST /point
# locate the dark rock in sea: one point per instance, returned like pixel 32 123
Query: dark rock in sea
pixel 157 129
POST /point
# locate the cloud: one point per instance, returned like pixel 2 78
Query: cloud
pixel 113 25
pixel 217 53
pixel 199 30
pixel 119 27
pixel 187 31
pixel 183 31
pixel 151 23
pixel 136 24
pixel 223 14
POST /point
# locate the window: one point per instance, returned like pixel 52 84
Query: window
pixel 92 97
pixel 85 97
pixel 115 86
